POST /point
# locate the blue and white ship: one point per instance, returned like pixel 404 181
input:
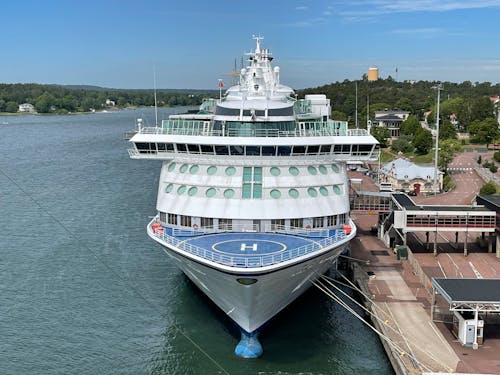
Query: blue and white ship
pixel 253 200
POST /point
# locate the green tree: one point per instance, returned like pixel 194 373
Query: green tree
pixel 410 126
pixel 12 107
pixel 488 189
pixel 381 134
pixel 447 130
pixel 447 150
pixel 485 131
pixel 3 105
pixel 422 141
pixel 402 144
pixel 339 116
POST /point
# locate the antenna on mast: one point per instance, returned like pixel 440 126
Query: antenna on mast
pixel 356 114
pixel 154 85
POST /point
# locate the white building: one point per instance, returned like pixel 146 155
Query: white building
pixel 407 176
pixel 26 107
pixel 392 120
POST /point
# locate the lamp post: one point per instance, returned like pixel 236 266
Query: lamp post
pixel 438 87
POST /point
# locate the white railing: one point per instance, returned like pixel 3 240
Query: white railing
pixel 250 261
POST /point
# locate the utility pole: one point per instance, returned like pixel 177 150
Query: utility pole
pixel 356 114
pixel 438 87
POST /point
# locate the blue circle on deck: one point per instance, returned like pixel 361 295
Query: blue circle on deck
pixel 249 247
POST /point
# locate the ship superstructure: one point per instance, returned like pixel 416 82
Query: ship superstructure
pixel 253 195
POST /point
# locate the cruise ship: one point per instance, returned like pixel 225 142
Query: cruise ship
pixel 253 196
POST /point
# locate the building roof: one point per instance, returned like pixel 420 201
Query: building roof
pixel 490 201
pixel 403 169
pixel 469 290
pixel 388 117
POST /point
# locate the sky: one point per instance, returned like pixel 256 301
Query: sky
pixel 191 44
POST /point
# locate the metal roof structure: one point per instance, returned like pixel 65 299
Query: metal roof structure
pixel 481 295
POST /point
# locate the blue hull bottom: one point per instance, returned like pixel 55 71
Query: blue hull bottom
pixel 249 346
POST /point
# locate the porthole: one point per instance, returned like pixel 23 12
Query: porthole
pixel 183 168
pixel 194 169
pixel 336 189
pixel 323 190
pixel 169 188
pixel 230 171
pixel 294 193
pixel 322 169
pixel 275 171
pixel 171 167
pixel 312 192
pixel 312 170
pixel 192 191
pixel 181 190
pixel 294 171
pixel 275 193
pixel 335 168
pixel 210 192
pixel 246 280
pixel 228 193
pixel 211 170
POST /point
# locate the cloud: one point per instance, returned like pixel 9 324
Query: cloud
pixel 301 8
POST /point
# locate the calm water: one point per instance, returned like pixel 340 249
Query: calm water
pixel 84 291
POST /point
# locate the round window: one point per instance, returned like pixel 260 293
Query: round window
pixel 192 191
pixel 211 170
pixel 323 190
pixel 312 192
pixel 335 168
pixel 228 193
pixel 336 189
pixel 294 193
pixel 181 190
pixel 275 171
pixel 210 192
pixel 294 171
pixel 171 167
pixel 312 170
pixel 275 193
pixel 169 188
pixel 183 168
pixel 323 169
pixel 230 171
pixel 194 169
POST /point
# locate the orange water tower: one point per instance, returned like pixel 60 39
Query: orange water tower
pixel 373 73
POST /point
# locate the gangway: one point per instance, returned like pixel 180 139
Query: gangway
pixel 370 202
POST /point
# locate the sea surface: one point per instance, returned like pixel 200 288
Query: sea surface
pixel 83 290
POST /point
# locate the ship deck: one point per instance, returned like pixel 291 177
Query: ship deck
pixel 249 249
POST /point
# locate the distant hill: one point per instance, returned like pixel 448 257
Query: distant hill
pixel 99 88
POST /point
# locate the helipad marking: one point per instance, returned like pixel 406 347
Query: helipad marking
pixel 254 246
pixel 244 247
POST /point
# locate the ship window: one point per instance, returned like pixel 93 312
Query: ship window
pixel 275 193
pixel 294 193
pixel 207 222
pixel 161 146
pixel 268 150
pixel 181 190
pixel 330 220
pixel 194 149
pixel 237 150
pixel 207 149
pixel 275 171
pixel 253 150
pixel 171 167
pixel 257 191
pixel 225 224
pixel 142 146
pixel 323 169
pixel 335 168
pixel 257 174
pixel 185 221
pixel 294 171
pixel 228 193
pixel 221 150
pixel 163 217
pixel 336 189
pixel 277 224
pixel 247 174
pixel 183 168
pixel 211 170
pixel 247 191
pixel 170 146
pixel 230 171
pixel 172 219
pixel 194 169
pixel 324 191
pixel 181 147
pixel 297 223
pixel 312 149
pixel 312 192
pixel 325 149
pixel 284 150
pixel 299 150
pixel 210 192
pixel 192 191
pixel 346 149
pixel 169 188
pixel 312 170
pixel 365 149
pixel 317 222
pixel 337 149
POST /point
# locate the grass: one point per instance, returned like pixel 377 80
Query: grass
pixel 385 157
pixel 427 158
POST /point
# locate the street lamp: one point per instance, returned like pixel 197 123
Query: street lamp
pixel 438 87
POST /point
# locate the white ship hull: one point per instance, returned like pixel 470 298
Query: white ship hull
pixel 251 306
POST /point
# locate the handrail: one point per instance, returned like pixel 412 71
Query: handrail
pixel 250 261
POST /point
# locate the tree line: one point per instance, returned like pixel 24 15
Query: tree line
pixel 60 99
